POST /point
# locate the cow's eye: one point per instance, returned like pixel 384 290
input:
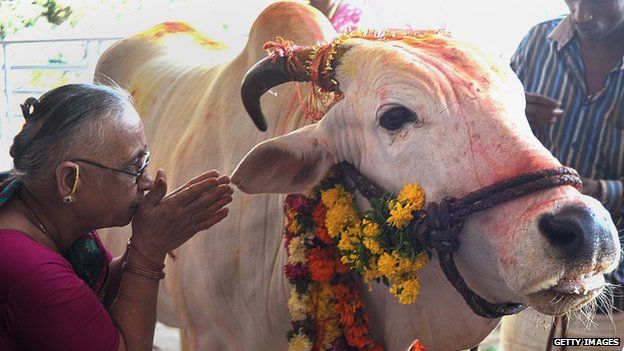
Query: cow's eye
pixel 396 116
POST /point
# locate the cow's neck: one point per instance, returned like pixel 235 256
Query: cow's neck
pixel 439 318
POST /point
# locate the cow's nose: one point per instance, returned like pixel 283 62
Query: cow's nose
pixel 575 232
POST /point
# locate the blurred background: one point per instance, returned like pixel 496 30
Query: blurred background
pixel 46 43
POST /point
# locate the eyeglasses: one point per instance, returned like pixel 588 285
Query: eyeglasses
pixel 135 170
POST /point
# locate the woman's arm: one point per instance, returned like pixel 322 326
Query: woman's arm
pixel 134 309
pixel 161 224
pixel 114 279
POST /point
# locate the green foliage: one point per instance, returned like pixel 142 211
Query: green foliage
pixel 16 14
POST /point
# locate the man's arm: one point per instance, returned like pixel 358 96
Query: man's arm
pixel 611 192
pixel 608 191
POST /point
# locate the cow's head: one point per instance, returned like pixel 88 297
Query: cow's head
pixel 425 109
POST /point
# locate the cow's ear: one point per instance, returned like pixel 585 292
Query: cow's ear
pixel 287 164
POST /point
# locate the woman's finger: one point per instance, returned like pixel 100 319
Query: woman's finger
pixel 224 179
pixel 214 219
pixel 191 193
pixel 206 213
pixel 210 197
pixel 199 178
pixel 156 193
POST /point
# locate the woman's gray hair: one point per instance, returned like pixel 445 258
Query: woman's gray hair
pixel 63 122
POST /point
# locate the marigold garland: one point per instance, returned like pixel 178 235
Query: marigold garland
pixel 326 236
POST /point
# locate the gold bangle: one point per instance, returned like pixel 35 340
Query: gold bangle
pixel 145 272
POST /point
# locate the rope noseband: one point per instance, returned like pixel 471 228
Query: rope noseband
pixel 437 226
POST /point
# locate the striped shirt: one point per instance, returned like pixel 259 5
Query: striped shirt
pixel 589 136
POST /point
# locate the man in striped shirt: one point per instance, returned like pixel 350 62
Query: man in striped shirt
pixel 572 69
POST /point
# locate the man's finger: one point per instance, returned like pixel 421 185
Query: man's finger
pixel 540 120
pixel 538 99
pixel 543 110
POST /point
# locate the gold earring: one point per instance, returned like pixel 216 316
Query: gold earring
pixel 69 198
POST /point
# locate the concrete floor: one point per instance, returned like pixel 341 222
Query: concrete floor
pixel 168 339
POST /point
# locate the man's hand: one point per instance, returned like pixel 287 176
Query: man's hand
pixel 591 188
pixel 542 110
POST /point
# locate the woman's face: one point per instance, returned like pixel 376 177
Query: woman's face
pixel 109 198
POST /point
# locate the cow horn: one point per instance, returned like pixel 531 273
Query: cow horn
pixel 268 73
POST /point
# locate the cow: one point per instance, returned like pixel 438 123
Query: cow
pixel 457 125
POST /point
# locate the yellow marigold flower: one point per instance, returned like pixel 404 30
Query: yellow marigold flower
pixel 404 265
pixel 331 332
pixel 400 215
pixel 371 274
pixel 349 259
pixel 297 305
pixel 325 307
pixel 347 242
pixel 299 342
pixel 334 222
pixel 297 251
pixel 336 218
pixel 406 291
pixel 293 227
pixel 420 261
pixel 386 265
pixel 373 246
pixel 414 194
pixel 371 229
pixel 332 195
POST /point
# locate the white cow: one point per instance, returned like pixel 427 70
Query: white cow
pixel 460 126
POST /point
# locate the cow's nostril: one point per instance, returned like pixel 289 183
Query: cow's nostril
pixel 574 232
pixel 560 231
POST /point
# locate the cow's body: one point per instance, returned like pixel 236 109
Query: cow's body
pixel 227 288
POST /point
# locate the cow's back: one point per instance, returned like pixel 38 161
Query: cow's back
pixel 227 280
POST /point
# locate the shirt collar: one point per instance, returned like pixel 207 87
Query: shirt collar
pixel 563 33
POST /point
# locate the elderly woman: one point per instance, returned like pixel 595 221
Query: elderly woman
pixel 79 165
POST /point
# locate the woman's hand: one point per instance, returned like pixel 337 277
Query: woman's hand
pixel 163 223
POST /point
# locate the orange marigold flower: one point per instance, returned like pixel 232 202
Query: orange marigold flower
pixel 417 346
pixel 321 265
pixel 323 235
pixel 357 336
pixel 318 213
pixel 341 268
pixel 347 318
pixel 342 292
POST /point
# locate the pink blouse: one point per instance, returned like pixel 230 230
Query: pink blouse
pixel 44 305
